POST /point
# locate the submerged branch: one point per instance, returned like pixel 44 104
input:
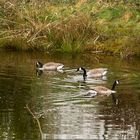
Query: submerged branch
pixel 38 123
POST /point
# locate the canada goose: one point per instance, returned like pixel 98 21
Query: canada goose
pixel 98 72
pixel 101 90
pixel 49 66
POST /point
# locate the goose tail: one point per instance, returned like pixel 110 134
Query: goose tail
pixel 105 72
pixel 113 91
pixel 60 67
pixel 91 94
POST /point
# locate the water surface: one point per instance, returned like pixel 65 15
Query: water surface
pixel 56 98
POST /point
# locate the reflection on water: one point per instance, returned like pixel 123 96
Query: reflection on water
pixel 56 98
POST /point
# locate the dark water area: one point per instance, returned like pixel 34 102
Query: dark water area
pixel 56 98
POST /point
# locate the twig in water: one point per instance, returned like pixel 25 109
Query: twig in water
pixel 38 123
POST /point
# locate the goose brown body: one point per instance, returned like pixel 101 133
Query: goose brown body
pixel 98 72
pixel 101 90
pixel 49 66
pixel 52 66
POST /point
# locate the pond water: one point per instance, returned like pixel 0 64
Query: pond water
pixel 56 98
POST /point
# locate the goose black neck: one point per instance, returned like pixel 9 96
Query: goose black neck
pixel 84 78
pixel 113 86
pixel 85 73
pixel 115 100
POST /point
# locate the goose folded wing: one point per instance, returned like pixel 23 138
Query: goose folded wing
pixel 98 70
pixel 103 90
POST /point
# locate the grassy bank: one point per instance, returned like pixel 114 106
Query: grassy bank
pixel 71 26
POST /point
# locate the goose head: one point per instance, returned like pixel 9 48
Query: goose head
pixel 79 69
pixel 39 64
pixel 83 69
pixel 116 82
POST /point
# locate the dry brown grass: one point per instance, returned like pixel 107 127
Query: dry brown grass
pixel 97 26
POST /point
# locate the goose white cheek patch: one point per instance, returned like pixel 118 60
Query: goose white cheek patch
pixel 60 67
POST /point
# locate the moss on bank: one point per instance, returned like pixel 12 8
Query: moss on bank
pixel 71 26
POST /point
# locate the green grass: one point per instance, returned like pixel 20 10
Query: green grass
pixel 71 26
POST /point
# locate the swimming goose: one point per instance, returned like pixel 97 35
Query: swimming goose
pixel 101 90
pixel 98 72
pixel 49 66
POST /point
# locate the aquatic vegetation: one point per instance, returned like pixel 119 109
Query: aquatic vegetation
pixel 71 26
